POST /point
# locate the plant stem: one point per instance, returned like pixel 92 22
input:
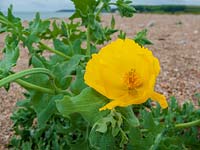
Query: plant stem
pixel 23 73
pixel 39 88
pixel 88 53
pixel 16 78
pixel 188 124
pixel 34 87
pixel 54 51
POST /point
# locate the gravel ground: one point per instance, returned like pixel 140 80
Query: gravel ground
pixel 176 41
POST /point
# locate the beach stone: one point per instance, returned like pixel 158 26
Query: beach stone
pixel 151 23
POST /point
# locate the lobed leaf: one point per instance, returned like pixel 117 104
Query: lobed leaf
pixel 141 38
pixel 87 103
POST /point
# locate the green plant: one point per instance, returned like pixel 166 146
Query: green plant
pixel 59 111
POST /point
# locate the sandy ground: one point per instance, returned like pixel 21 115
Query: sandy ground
pixel 176 41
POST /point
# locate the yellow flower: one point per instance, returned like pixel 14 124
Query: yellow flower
pixel 125 73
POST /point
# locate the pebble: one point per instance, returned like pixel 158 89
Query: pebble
pixel 182 42
pixel 196 32
pixel 151 23
pixel 141 25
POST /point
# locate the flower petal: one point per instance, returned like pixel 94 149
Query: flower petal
pixel 93 76
pixel 160 99
pixel 124 102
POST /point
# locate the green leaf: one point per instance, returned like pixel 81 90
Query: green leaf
pixel 77 47
pixel 63 70
pixel 71 32
pixel 78 84
pixel 112 24
pixel 2 28
pixel 101 125
pixel 45 106
pixel 97 30
pixel 10 15
pixel 84 146
pixel 141 38
pixel 107 6
pixel 148 120
pixel 37 61
pixel 40 80
pixel 102 141
pixel 62 47
pixel 56 30
pixel 122 35
pixel 37 26
pixel 87 103
pixel 11 55
pixel 112 121
pixel 125 8
pixel 157 141
pixel 35 32
pixel 48 111
pixel 129 116
pixel 83 7
pixel 26 146
pixel 11 23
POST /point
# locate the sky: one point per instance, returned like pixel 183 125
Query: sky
pixel 53 5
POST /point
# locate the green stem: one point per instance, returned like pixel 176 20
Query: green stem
pixel 54 51
pixel 88 53
pixel 16 78
pixel 34 87
pixel 23 73
pixel 188 124
pixel 39 88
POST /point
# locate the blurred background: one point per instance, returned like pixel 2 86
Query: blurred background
pixel 25 9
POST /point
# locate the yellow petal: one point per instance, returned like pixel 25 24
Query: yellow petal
pixel 160 99
pixel 125 101
pixel 93 77
pixel 110 105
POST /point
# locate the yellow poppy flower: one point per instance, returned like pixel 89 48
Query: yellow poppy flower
pixel 125 73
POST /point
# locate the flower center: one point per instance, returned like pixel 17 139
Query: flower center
pixel 132 80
